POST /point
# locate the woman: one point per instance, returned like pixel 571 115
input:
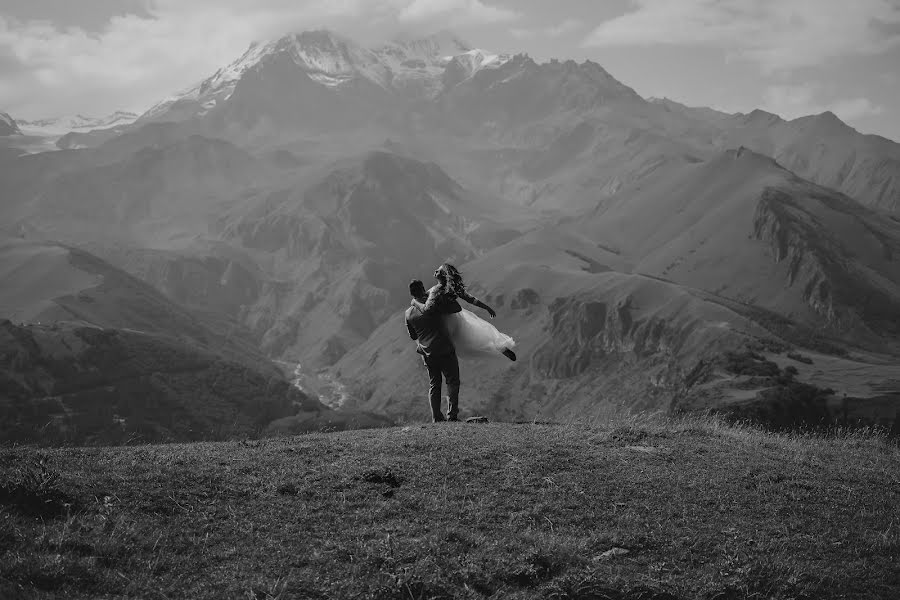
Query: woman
pixel 472 337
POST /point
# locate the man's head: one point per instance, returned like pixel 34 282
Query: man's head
pixel 417 289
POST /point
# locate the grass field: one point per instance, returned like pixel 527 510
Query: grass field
pixel 704 510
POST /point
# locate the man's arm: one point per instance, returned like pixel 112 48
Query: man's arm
pixel 430 306
pixel 412 332
pixel 476 302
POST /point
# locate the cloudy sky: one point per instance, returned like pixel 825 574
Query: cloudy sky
pixel 791 57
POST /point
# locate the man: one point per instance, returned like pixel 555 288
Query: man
pixel 433 343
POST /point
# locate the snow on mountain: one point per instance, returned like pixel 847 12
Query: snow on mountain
pixel 409 56
pixel 203 96
pixel 433 48
pixel 412 65
pixel 475 60
pixel 434 62
pixel 331 59
pixel 65 124
pixel 328 58
pixel 8 125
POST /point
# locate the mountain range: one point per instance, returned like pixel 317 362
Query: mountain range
pixel 65 124
pixel 633 246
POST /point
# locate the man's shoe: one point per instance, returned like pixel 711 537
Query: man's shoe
pixel 453 419
pixel 440 419
pixel 509 354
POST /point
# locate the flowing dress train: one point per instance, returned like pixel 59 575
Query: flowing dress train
pixel 473 337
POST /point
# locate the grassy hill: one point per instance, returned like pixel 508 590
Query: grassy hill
pixel 703 510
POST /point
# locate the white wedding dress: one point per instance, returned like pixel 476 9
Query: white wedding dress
pixel 473 337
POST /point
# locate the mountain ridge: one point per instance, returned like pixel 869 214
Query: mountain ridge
pixel 8 125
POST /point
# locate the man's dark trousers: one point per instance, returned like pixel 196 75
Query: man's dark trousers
pixel 445 364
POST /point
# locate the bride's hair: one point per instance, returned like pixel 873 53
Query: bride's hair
pixel 451 279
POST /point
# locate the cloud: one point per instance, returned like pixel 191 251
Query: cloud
pixel 456 11
pixel 792 101
pixel 136 60
pixel 776 34
pixel 550 31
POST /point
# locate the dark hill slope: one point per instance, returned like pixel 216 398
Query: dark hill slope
pixel 73 384
pixel 45 282
pixel 459 511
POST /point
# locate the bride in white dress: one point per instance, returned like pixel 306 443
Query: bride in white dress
pixel 472 336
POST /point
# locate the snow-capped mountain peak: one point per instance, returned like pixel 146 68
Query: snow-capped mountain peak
pixel 325 56
pixel 411 65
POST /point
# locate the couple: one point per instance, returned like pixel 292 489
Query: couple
pixel 444 331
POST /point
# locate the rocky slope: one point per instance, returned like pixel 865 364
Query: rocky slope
pixel 824 149
pixel 745 228
pixel 8 125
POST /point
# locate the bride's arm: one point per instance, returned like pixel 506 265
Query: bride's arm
pixel 476 302
pixel 430 304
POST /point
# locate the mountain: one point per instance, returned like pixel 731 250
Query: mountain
pixel 316 57
pixel 590 340
pixel 108 358
pixel 824 149
pixel 345 244
pixel 594 341
pixel 744 227
pixel 99 356
pixel 45 282
pixel 152 193
pixel 639 303
pixel 65 124
pixel 418 65
pixel 301 65
pixel 8 125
